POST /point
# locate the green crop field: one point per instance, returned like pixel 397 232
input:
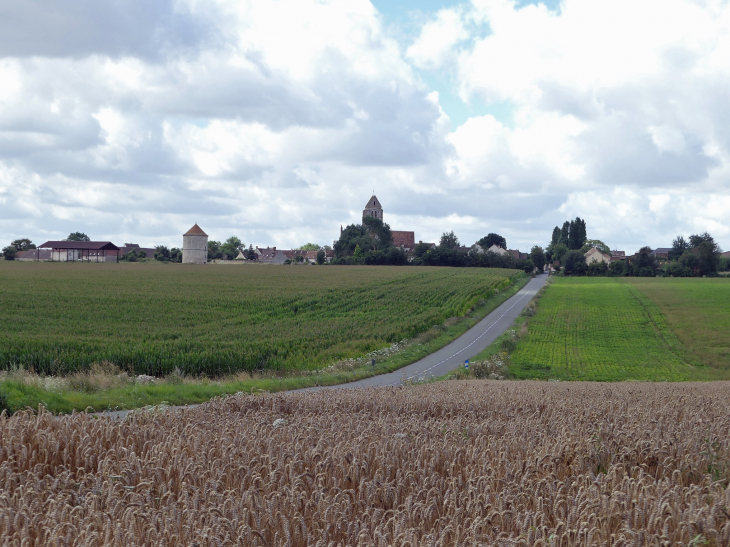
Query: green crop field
pixel 153 318
pixel 615 329
pixel 697 311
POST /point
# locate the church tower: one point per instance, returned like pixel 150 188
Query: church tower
pixel 373 208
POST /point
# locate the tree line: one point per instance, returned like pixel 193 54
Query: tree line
pixel 371 243
pixel 698 255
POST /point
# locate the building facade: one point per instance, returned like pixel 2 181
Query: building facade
pixel 373 209
pixel 195 246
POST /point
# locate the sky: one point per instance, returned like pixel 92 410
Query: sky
pixel 276 120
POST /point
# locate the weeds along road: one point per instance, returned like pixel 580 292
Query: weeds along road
pixel 465 347
pixel 447 358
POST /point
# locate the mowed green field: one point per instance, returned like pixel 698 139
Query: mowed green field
pixel 639 329
pixel 151 318
pixel 697 311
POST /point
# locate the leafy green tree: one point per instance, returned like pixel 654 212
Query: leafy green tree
pixel 449 240
pixel 565 233
pixel 644 262
pixel 617 267
pixel 697 239
pixel 574 263
pixel 708 259
pixel 357 255
pixel 421 249
pixel 298 258
pixel 372 235
pixel 9 252
pixel 577 233
pixel 162 253
pixel 251 254
pixel 214 250
pixel 77 236
pixel 537 256
pixel 310 247
pixel 232 247
pixel 679 246
pixel 690 261
pixel 492 239
pixel 321 257
pixel 598 244
pixel 556 237
pixel 24 244
pixel 175 255
pixel 559 252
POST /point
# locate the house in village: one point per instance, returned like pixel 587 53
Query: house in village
pixel 662 253
pixel 618 255
pixel 595 256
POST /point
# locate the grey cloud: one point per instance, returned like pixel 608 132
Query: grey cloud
pixel 78 28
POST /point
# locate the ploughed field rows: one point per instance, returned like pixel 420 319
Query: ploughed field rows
pixel 601 329
pixel 151 319
pixel 457 463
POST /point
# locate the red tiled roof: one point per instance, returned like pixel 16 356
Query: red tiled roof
pixel 195 231
pixel 406 240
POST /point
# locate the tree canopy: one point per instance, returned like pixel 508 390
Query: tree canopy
pixel 77 236
pixel 24 244
pixel 310 247
pixel 372 235
pixel 449 240
pixel 492 239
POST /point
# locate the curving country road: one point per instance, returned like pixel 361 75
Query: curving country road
pixel 465 347
pixel 447 358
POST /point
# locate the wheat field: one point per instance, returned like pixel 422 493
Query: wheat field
pixel 457 463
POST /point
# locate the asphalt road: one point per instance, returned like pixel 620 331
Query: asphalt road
pixel 465 347
pixel 447 358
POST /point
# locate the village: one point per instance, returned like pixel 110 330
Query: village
pixel 197 248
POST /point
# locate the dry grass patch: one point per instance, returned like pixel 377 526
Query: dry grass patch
pixel 458 463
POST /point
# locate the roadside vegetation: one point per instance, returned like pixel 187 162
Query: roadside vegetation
pixel 457 463
pixel 389 315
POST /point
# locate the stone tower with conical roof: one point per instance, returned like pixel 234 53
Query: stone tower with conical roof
pixel 195 246
pixel 373 208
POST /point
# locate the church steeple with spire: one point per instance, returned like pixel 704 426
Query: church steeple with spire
pixel 373 208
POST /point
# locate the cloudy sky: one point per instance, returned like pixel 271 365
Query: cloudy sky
pixel 275 120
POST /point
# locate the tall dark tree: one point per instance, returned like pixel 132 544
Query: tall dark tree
pixel 679 246
pixel 644 264
pixel 565 234
pixel 698 239
pixel 449 240
pixel 492 239
pixel 708 257
pixel 78 236
pixel 577 233
pixel 574 263
pixel 537 256
pixel 24 244
pixel 556 236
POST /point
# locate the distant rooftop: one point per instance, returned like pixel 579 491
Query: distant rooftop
pixel 195 231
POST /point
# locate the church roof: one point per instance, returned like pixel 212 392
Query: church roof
pixel 373 203
pixel 195 231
